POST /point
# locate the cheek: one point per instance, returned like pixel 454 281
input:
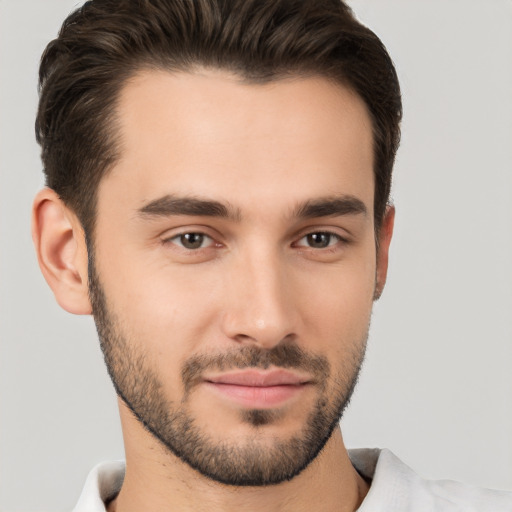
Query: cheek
pixel 169 310
pixel 164 314
pixel 337 301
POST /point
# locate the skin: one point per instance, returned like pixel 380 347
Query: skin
pixel 262 151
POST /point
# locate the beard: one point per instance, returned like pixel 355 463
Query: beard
pixel 252 462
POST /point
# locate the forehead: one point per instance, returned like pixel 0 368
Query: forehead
pixel 208 133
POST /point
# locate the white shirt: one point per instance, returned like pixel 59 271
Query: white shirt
pixel 394 488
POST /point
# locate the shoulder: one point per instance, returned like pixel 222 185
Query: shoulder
pixel 395 486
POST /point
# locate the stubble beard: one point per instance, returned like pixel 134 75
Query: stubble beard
pixel 253 463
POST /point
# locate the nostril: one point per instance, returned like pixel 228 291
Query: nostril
pixel 244 337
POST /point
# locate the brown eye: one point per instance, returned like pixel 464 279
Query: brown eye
pixel 192 241
pixel 319 240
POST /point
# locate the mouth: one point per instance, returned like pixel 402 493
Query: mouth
pixel 257 389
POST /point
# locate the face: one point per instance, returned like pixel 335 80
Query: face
pixel 234 265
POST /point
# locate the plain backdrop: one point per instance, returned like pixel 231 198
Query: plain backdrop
pixel 437 384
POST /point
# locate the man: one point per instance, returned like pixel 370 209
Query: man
pixel 218 181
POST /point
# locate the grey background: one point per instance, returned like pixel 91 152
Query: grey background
pixel 437 385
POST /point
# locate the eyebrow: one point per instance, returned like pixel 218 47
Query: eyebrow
pixel 172 205
pixel 330 206
pixel 169 205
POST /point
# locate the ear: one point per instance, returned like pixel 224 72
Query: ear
pixel 61 251
pixel 385 234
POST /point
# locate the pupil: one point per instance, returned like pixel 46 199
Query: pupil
pixel 192 240
pixel 319 240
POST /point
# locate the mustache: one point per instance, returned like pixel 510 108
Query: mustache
pixel 286 355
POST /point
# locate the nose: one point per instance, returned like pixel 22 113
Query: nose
pixel 260 307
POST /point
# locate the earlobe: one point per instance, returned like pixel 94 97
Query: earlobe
pixel 61 251
pixel 385 235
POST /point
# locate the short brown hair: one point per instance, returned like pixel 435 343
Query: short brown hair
pixel 104 42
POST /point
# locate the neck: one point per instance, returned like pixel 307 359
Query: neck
pixel 158 481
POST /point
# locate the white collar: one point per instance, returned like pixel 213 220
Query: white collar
pixel 394 487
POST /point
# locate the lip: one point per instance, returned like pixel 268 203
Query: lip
pixel 259 378
pixel 258 389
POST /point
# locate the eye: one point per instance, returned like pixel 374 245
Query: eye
pixel 192 241
pixel 319 240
